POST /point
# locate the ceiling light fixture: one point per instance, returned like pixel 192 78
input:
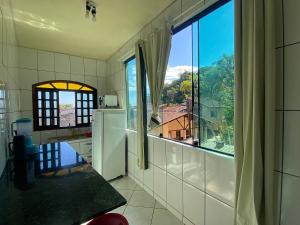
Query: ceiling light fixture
pixel 90 7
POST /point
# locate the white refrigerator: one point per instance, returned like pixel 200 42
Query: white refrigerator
pixel 108 150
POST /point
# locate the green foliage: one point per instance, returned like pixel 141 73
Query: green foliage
pixel 216 84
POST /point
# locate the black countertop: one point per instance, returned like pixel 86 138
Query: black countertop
pixel 64 190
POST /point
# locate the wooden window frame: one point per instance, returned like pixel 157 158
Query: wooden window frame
pixel 52 126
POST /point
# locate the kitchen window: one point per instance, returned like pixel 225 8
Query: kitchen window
pixel 198 97
pixel 62 104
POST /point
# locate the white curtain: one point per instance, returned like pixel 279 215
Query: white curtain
pixel 156 54
pixel 154 51
pixel 254 112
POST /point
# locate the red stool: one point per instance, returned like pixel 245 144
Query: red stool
pixel 109 219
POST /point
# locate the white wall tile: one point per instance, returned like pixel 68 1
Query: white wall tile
pixel 291 77
pixel 77 65
pixel 131 135
pixel 159 152
pixel 26 100
pixel 45 76
pixel 27 78
pixel 278 23
pixel 174 158
pixel 90 67
pixel 291 143
pixel 138 173
pixel 278 140
pixel 101 68
pixel 62 63
pixel 91 80
pixel 45 60
pixel 277 197
pixel 290 200
pixel 220 177
pixel 27 58
pixel 160 182
pixel 279 78
pixel 62 76
pixel 148 176
pixel 150 149
pixel 131 163
pixel 193 166
pixel 217 212
pixel 77 78
pixel 193 204
pixel 291 15
pixel 174 192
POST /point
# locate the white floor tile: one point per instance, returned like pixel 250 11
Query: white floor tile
pixel 138 215
pixel 125 183
pixel 142 199
pixel 164 217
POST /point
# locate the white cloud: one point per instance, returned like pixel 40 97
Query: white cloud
pixel 174 73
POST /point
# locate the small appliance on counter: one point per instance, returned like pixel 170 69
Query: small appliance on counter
pixel 24 152
pixel 108 101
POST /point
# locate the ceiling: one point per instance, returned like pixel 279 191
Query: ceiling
pixel 61 25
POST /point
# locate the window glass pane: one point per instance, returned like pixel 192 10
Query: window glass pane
pixel 60 85
pixel 84 96
pixel 40 113
pixel 55 104
pixel 39 94
pixel 40 104
pixel 90 96
pixel 47 104
pixel 91 104
pixel 79 120
pixel 91 111
pixel 85 112
pixel 48 113
pixel 85 104
pixel 131 93
pixel 54 95
pixel 40 122
pixel 78 96
pixel 47 95
pixel 176 97
pixel 78 112
pixel 217 78
pixel 48 122
pixel 55 121
pixel 66 109
pixel 55 113
pixel 73 86
pixel 85 119
pixel 78 104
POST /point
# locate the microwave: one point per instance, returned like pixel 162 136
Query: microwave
pixel 108 101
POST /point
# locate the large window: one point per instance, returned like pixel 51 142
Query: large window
pixel 130 66
pixel 62 104
pixel 197 100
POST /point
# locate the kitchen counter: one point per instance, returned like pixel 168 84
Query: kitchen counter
pixel 64 190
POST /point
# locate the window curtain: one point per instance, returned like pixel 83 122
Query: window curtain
pixel 141 117
pixel 254 112
pixel 156 53
pixel 152 54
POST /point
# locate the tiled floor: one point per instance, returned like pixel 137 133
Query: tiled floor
pixel 141 208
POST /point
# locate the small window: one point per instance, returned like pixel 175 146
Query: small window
pixel 62 104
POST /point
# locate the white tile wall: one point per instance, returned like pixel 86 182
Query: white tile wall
pixel 45 61
pixel 185 196
pixel 288 39
pixel 290 200
pixel 9 61
pixel 174 159
pixel 38 66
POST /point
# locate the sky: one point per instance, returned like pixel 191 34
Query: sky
pixel 216 38
pixel 67 97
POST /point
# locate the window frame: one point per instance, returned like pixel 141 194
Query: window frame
pixel 35 108
pixel 175 30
